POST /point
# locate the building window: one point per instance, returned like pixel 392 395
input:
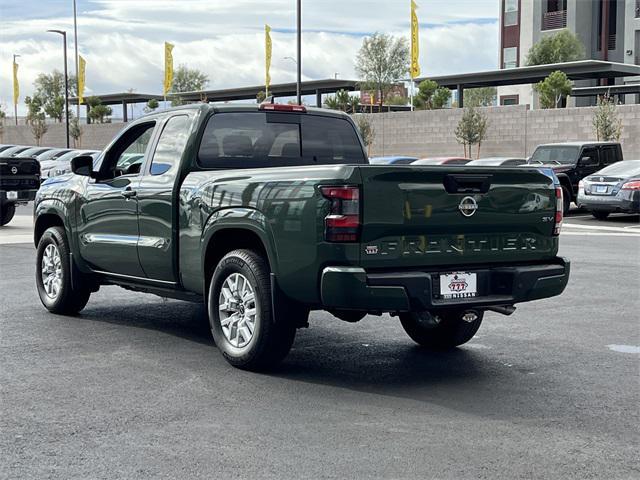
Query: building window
pixel 554 15
pixel 637 8
pixel 506 100
pixel 510 16
pixel 510 57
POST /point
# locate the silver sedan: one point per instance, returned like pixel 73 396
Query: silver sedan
pixel 615 188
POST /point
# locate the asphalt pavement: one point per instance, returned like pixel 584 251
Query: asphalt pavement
pixel 134 387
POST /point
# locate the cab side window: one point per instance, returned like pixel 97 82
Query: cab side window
pixel 593 154
pixel 126 155
pixel 171 145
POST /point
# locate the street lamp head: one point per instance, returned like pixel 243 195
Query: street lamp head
pixel 61 32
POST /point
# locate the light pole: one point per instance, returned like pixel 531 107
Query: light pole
pixel 66 81
pixel 299 62
pixel 15 104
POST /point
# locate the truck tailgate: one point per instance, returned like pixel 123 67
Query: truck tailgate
pixel 416 217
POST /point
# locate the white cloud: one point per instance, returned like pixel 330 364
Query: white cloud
pixel 122 40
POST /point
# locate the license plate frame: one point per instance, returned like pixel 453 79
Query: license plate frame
pixel 601 189
pixel 12 195
pixel 458 285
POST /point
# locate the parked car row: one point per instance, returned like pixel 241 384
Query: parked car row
pixel 590 173
pixel 53 161
pixel 22 169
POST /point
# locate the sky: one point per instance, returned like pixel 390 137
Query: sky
pixel 122 40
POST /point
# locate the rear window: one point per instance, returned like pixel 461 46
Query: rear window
pixel 266 139
pixel 625 167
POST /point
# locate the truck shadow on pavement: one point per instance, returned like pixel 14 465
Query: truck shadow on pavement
pixel 184 320
pixel 467 379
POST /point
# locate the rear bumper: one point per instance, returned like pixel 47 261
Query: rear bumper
pixel 352 288
pixel 629 203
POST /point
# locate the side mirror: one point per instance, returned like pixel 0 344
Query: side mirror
pixel 82 165
pixel 587 161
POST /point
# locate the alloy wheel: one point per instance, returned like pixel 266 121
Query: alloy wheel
pixel 51 271
pixel 237 310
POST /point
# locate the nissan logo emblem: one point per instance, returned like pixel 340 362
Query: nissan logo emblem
pixel 468 206
pixel 14 170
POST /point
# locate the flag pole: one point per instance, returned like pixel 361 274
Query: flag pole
pixel 75 43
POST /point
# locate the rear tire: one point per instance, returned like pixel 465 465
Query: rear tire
pixel 241 314
pixel 600 215
pixel 566 200
pixel 449 333
pixel 53 275
pixel 7 211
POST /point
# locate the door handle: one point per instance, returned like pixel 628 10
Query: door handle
pixel 128 193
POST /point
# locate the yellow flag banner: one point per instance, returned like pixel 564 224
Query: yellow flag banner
pixel 267 58
pixel 82 68
pixel 16 86
pixel 168 67
pixel 415 42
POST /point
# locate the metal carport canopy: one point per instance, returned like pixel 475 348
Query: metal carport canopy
pixel 311 87
pixel 580 70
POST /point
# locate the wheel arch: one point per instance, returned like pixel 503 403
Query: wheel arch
pixel 565 181
pixel 241 228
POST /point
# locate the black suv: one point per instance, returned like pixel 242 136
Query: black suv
pixel 19 182
pixel 573 161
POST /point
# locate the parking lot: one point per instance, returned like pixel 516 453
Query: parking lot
pixel 134 386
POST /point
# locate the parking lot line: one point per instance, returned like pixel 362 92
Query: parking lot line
pixel 603 234
pixel 596 227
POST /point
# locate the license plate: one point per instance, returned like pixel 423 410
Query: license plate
pixel 12 195
pixel 601 189
pixel 458 285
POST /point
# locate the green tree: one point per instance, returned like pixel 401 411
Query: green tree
pixel 187 79
pixel 3 116
pixel 98 112
pixel 472 129
pixel 75 131
pixel 480 97
pixel 36 117
pixel 553 89
pixel 382 61
pixel 342 101
pixel 151 105
pixel 606 122
pixel 50 88
pixel 366 131
pixel 561 47
pixel 397 100
pixel 260 97
pixel 431 96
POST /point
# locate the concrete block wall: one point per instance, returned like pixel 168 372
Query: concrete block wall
pixel 94 136
pixel 513 131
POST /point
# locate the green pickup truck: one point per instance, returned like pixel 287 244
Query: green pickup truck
pixel 267 212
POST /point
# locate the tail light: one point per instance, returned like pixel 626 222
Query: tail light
pixel 581 185
pixel 559 211
pixel 633 185
pixel 343 222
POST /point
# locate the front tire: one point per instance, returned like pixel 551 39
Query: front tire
pixel 53 275
pixel 600 215
pixel 451 330
pixel 241 314
pixel 7 211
